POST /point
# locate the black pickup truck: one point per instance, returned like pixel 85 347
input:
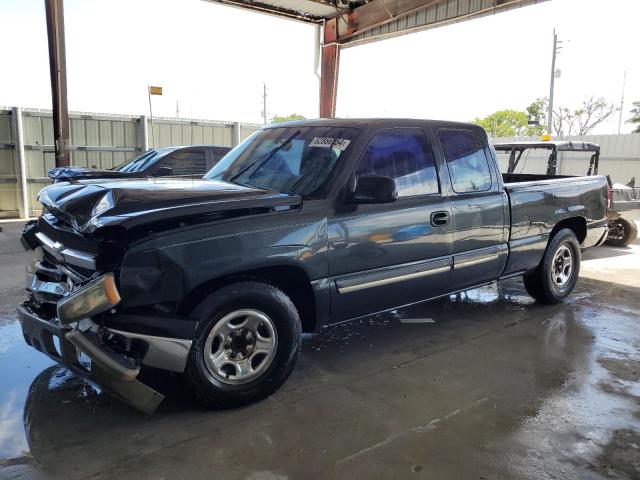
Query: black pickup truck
pixel 302 225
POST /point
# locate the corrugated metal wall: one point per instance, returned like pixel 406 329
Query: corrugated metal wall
pixel 436 14
pixel 171 132
pixel 619 157
pixel 9 195
pixel 100 141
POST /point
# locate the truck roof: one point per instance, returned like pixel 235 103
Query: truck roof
pixel 370 122
pixel 559 145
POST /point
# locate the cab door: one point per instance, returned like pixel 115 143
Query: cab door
pixel 480 208
pixel 387 255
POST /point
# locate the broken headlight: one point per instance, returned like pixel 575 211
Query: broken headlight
pixel 92 299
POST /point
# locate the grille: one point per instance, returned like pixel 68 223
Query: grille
pixel 68 237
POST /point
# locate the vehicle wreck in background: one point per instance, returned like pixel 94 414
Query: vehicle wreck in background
pixel 303 225
pixel 193 161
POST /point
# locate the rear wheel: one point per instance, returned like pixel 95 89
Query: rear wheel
pixel 622 232
pixel 557 274
pixel 246 346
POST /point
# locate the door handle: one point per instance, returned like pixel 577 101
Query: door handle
pixel 439 219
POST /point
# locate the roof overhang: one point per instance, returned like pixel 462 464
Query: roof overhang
pixel 360 21
pixel 310 11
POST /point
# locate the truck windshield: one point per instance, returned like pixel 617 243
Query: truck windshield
pixel 293 160
pixel 137 164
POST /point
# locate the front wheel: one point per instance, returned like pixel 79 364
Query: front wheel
pixel 557 274
pixel 622 232
pixel 247 344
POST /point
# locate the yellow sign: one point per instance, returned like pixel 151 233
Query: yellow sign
pixel 546 137
pixel 155 90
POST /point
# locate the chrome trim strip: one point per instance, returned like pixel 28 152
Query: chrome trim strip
pixel 163 352
pixel 67 255
pixel 47 243
pixel 479 256
pixel 79 259
pixel 57 289
pixel 472 261
pixel 387 281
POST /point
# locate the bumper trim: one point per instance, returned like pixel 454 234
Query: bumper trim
pixel 39 333
pixel 163 352
pixel 117 369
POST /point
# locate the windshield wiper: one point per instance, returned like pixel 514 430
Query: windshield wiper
pixel 264 159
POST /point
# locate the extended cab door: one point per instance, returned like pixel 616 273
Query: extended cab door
pixel 480 207
pixel 391 254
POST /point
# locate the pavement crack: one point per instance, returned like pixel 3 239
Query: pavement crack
pixel 428 427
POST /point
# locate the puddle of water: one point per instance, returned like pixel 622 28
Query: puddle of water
pixel 19 365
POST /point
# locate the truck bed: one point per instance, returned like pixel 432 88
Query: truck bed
pixel 539 202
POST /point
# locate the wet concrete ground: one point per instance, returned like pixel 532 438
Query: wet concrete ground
pixel 488 386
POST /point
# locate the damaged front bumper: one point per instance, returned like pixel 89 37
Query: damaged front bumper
pixel 57 321
pixel 104 369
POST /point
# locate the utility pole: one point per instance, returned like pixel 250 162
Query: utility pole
pixel 556 50
pixel 177 109
pixel 264 103
pixel 54 13
pixel 624 85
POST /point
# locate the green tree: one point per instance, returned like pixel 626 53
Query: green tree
pixel 579 121
pixel 537 111
pixel 508 123
pixel 636 116
pixel 293 116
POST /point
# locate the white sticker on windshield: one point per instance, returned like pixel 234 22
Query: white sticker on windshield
pixel 328 142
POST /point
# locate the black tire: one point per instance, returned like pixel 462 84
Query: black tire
pixel 259 296
pixel 541 284
pixel 622 232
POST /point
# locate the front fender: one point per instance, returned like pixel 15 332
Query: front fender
pixel 159 273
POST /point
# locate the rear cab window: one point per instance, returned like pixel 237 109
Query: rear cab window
pixel 467 161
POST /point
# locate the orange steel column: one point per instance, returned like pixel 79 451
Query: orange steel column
pixel 329 70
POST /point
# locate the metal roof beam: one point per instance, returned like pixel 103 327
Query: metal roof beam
pixel 281 11
pixel 350 26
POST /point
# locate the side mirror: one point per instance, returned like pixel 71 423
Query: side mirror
pixel 164 171
pixel 373 189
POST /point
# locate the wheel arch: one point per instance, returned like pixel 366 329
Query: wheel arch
pixel 292 279
pixel 578 225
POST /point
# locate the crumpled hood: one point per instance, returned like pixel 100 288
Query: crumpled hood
pixel 137 201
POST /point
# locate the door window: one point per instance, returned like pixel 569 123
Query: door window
pixel 405 156
pixel 184 163
pixel 467 160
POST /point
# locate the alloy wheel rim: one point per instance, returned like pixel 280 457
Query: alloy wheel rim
pixel 240 346
pixel 562 266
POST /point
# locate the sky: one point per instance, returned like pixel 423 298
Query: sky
pixel 212 60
